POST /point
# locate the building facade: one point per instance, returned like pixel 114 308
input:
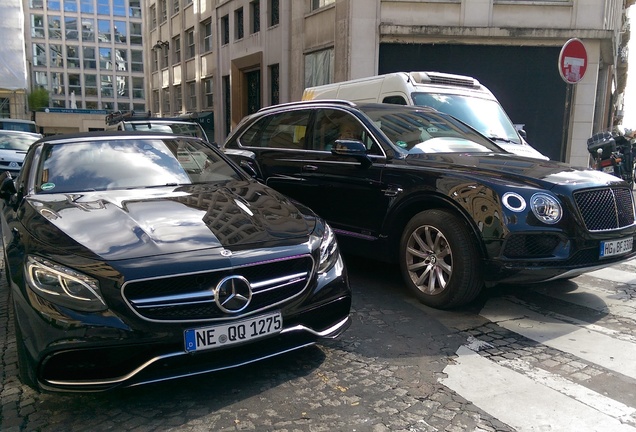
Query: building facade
pixel 88 54
pixel 231 57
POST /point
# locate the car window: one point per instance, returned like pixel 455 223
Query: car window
pixel 285 130
pixel 485 115
pixel 423 131
pixel 118 163
pixel 331 125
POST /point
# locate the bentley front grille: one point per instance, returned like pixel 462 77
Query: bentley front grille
pixel 606 209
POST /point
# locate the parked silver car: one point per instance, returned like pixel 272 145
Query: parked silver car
pixel 13 148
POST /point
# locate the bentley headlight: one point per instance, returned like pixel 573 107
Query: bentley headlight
pixel 546 208
pixel 63 286
pixel 328 250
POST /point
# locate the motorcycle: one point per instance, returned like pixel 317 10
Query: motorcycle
pixel 612 153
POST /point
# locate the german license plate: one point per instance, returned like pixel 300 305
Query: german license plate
pixel 609 169
pixel 616 247
pixel 222 335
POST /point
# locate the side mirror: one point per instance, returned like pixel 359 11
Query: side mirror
pixel 352 148
pixel 7 187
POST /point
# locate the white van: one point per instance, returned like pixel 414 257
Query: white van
pixel 460 96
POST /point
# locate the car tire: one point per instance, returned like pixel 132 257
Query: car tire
pixel 439 260
pixel 25 371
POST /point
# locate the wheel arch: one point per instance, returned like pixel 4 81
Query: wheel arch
pixel 412 205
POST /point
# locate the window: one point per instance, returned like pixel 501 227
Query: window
pixel 105 59
pixel 56 57
pixel 191 97
pixel 274 84
pixel 165 52
pixel 104 32
pixel 42 80
pixel 70 28
pixel 103 7
pixel 134 10
pixel 90 85
pixel 206 30
pixel 121 59
pixel 70 5
pixel 119 8
pixel 37 26
pixel 317 4
pixel 176 43
pixel 53 5
pixel 166 101
pixel 120 32
pixel 55 27
pixel 72 57
pixel 163 10
pixel 36 4
pixel 155 61
pixel 122 85
pixel 153 17
pixel 238 24
pixel 88 30
pixel 74 84
pixel 319 68
pixel 87 6
pixel 175 6
pixel 39 54
pixel 106 85
pixel 178 99
pixel 155 101
pixel 191 46
pixel 286 130
pixel 208 88
pixel 135 33
pixel 138 88
pixel 255 16
pixel 136 61
pixel 225 30
pixel 5 111
pixel 89 58
pixel 57 83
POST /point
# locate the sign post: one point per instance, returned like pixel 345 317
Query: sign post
pixel 573 61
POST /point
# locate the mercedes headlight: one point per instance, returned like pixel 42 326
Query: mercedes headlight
pixel 546 208
pixel 63 286
pixel 328 250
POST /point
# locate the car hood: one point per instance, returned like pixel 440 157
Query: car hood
pixel 123 224
pixel 514 169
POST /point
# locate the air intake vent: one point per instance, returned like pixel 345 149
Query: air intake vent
pixel 444 79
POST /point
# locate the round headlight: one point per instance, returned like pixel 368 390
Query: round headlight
pixel 546 208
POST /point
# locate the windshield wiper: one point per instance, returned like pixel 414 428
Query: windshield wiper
pixel 496 138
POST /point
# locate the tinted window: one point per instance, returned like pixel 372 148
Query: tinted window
pixel 18 126
pixel 286 130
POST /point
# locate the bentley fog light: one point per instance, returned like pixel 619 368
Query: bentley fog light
pixel 63 286
pixel 328 250
pixel 546 208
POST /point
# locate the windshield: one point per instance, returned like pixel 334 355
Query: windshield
pixel 485 115
pixel 17 141
pixel 129 163
pixel 425 131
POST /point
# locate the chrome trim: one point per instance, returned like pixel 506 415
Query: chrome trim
pixel 307 277
pixel 333 330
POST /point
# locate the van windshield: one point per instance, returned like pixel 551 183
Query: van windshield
pixel 487 116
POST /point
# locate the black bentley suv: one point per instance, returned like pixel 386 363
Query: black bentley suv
pixel 418 187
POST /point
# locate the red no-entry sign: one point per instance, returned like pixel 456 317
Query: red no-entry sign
pixel 573 61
